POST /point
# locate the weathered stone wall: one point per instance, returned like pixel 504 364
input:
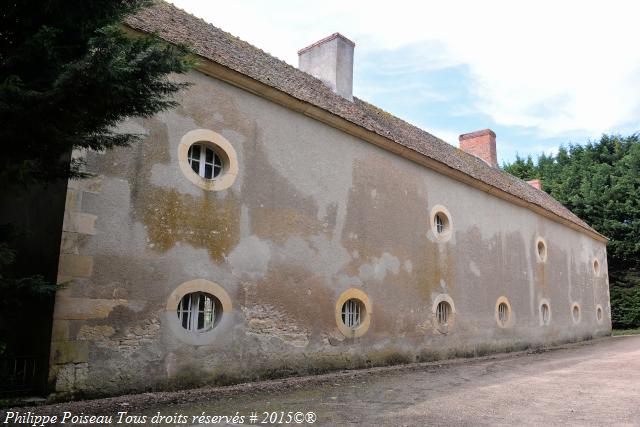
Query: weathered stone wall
pixel 313 212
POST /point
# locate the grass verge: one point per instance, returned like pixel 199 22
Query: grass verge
pixel 617 332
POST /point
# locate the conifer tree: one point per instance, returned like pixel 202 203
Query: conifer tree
pixel 600 182
pixel 69 73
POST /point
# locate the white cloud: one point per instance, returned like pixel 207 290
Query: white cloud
pixel 447 135
pixel 558 67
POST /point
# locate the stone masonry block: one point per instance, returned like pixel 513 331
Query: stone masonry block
pixel 71 243
pixel 75 265
pixel 89 185
pixel 60 330
pixel 79 222
pixel 69 352
pixel 84 308
pixel 73 201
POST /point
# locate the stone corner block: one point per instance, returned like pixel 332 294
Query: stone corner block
pixel 63 352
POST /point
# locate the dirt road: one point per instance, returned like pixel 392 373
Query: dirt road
pixel 596 383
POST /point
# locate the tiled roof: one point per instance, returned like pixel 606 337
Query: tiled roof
pixel 179 27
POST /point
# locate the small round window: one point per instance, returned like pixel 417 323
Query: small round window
pixel 596 267
pixel 199 311
pixel 441 223
pixel 208 160
pixel 541 249
pixel 443 313
pixel 352 313
pixel 503 312
pixel 575 313
pixel 204 161
pixel 545 314
pixel 196 311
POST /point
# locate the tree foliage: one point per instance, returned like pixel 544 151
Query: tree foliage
pixel 69 73
pixel 600 182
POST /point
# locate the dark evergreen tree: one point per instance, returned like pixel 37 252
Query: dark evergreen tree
pixel 69 72
pixel 600 182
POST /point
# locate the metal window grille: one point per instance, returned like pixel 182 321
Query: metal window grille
pixel 503 313
pixel 440 224
pixel 204 161
pixel 197 311
pixel 443 311
pixel 545 314
pixel 22 375
pixel 352 313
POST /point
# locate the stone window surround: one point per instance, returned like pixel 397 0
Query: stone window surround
pixel 444 212
pixel 358 294
pixel 544 301
pixel 452 315
pixel 599 309
pixel 541 257
pixel 596 267
pixel 196 285
pixel 221 146
pixel 573 307
pixel 510 317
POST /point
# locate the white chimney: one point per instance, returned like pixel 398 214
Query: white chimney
pixel 330 60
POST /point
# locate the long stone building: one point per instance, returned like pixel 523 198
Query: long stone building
pixel 275 224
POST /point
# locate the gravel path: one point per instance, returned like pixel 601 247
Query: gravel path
pixel 592 383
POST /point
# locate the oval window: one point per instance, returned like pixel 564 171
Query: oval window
pixel 503 313
pixel 199 311
pixel 204 161
pixel 545 313
pixel 353 311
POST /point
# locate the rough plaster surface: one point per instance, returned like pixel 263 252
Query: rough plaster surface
pixel 312 213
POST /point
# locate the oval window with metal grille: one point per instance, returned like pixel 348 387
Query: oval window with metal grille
pixel 199 311
pixel 541 249
pixel 208 160
pixel 352 313
pixel 545 314
pixel 443 313
pixel 575 313
pixel 196 311
pixel 503 312
pixel 204 161
pixel 441 223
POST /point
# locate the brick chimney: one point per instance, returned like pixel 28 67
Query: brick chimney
pixel 330 60
pixel 481 144
pixel 535 183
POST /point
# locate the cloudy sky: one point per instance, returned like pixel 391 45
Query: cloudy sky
pixel 539 73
